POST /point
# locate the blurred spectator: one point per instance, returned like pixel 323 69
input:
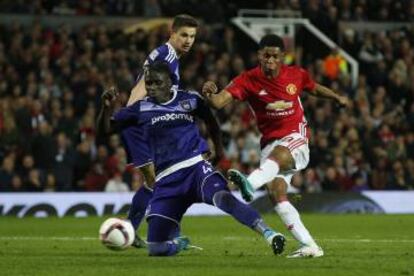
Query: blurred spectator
pixel 330 181
pixel 399 179
pixel 6 173
pixel 311 182
pixel 95 179
pixel 115 184
pixel 360 182
pixel 83 162
pixel 43 147
pixel 33 182
pixel 50 185
pixel 16 185
pixel 27 165
pixel 63 168
pixel 335 65
pixel 369 54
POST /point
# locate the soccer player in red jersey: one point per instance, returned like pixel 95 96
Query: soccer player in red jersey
pixel 273 91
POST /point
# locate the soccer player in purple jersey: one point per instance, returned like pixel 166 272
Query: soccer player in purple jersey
pixel 183 177
pixel 184 29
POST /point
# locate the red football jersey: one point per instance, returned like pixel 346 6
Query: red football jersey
pixel 275 101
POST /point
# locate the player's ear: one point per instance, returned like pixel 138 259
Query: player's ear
pixel 260 53
pixel 167 80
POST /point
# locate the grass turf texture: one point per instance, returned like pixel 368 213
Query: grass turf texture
pixel 353 244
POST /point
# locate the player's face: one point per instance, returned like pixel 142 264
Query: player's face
pixel 270 58
pixel 183 39
pixel 158 86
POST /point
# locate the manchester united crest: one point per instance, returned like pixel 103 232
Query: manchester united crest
pixel 291 89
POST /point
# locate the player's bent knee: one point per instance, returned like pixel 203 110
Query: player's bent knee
pixel 214 184
pixel 277 190
pixel 284 158
pixel 223 199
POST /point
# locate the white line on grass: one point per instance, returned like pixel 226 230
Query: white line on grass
pixel 29 238
pixel 340 240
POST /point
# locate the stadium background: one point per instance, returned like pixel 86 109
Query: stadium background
pixel 52 75
pixel 56 57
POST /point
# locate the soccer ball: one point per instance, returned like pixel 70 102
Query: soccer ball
pixel 116 234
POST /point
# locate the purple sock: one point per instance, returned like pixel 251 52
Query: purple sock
pixel 139 205
pixel 243 213
pixel 160 231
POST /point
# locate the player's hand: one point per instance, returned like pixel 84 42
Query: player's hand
pixel 109 96
pixel 209 88
pixel 207 156
pixel 343 101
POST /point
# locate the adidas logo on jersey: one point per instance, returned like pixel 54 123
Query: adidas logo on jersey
pixel 263 93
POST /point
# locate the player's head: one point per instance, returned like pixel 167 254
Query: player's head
pixel 184 29
pixel 158 81
pixel 271 53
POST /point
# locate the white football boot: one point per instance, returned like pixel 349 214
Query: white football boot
pixel 307 251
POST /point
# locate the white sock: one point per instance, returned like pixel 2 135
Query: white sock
pixel 291 219
pixel 264 174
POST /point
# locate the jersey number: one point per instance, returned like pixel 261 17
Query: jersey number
pixel 207 169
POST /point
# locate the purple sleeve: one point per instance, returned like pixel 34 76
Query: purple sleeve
pixel 127 113
pixel 137 146
pixel 160 53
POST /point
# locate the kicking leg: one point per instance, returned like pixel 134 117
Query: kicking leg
pixel 280 159
pixel 291 218
pixel 214 192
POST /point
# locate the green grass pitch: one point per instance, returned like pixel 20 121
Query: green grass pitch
pixel 353 244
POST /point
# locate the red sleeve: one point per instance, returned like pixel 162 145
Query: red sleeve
pixel 307 82
pixel 237 87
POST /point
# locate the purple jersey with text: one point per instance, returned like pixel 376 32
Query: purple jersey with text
pixel 169 129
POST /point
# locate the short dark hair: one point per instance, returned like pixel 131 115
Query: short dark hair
pixel 184 20
pixel 159 66
pixel 272 40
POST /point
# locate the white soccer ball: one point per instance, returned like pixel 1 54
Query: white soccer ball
pixel 116 234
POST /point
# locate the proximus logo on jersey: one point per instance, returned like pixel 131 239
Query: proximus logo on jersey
pixel 172 117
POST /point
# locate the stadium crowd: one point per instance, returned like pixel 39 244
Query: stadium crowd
pixel 379 10
pixel 51 81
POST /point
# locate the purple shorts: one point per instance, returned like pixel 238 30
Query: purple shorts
pixel 175 193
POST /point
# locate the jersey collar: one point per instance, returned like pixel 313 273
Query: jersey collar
pixel 262 74
pixel 174 92
pixel 172 49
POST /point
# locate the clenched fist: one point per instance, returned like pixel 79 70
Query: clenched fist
pixel 209 88
pixel 109 96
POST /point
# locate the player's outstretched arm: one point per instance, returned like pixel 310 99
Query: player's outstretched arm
pixel 138 92
pixel 214 98
pixel 321 91
pixel 108 99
